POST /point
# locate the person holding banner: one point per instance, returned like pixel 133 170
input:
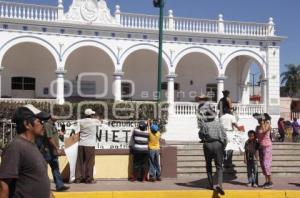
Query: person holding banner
pixel 86 150
pixel 139 149
pixel 229 122
pixel 154 157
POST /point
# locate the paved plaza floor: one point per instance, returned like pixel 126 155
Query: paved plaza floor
pixel 179 184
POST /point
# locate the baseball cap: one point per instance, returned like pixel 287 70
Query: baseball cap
pixel 154 128
pixel 29 111
pixel 89 112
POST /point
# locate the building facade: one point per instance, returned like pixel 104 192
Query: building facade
pixel 93 52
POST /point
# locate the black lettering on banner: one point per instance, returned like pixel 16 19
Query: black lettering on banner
pixel 98 134
pixel 126 131
pixel 114 139
pixel 68 124
pixel 106 135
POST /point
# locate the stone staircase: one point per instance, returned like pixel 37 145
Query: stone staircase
pixel 191 162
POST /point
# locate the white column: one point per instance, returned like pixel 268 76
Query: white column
pixel 1 70
pixel 271 27
pixel 60 82
pixel 220 83
pixel 171 20
pixel 171 91
pixel 263 90
pixel 117 85
pixel 60 11
pixel 118 14
pixel 221 28
pixel 245 94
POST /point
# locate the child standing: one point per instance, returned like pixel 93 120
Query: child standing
pixel 154 148
pixel 251 159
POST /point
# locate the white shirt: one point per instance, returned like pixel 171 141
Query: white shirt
pixel 88 130
pixel 227 121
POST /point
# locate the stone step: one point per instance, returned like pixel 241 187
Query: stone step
pixel 238 157
pixel 275 147
pixel 238 169
pixel 274 152
pixel 197 142
pixel 237 163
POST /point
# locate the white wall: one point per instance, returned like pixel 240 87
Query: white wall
pixel 198 68
pixel 91 59
pixel 28 60
pixel 141 68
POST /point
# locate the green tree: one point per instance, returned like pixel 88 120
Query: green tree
pixel 291 79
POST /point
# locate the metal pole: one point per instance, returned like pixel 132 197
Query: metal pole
pixel 253 75
pixel 160 51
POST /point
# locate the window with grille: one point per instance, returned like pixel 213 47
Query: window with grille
pixel 23 83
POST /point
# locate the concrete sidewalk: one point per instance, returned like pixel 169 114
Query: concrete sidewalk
pixel 179 184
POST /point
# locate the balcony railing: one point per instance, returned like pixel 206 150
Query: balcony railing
pixel 190 109
pixel 22 11
pixel 28 11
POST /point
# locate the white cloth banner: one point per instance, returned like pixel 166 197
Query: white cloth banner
pixel 236 141
pixel 71 153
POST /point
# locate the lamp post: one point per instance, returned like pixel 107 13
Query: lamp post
pixel 160 4
pixel 253 82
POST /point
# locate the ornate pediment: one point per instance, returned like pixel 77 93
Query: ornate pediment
pixel 90 12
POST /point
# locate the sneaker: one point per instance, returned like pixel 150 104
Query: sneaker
pixel 63 188
pixel 91 182
pixel 249 185
pixel 264 184
pixel 78 181
pixel 268 186
pixel 159 179
pixel 220 190
pixel 255 186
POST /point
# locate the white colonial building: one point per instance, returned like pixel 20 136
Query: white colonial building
pixel 45 52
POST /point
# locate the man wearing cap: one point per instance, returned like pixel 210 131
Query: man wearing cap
pixel 154 157
pixel 49 147
pixel 23 171
pixel 86 150
pixel 215 140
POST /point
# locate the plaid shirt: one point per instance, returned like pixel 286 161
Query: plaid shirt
pixel 212 131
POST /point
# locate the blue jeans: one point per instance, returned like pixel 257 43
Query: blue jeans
pixel 53 163
pixel 252 172
pixel 154 166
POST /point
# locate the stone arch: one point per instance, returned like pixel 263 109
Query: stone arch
pixel 29 39
pixel 143 46
pixel 196 49
pixel 89 43
pixel 258 59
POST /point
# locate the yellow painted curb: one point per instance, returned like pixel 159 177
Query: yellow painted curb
pixel 182 194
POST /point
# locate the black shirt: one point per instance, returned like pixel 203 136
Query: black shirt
pixel 251 147
pixel 23 162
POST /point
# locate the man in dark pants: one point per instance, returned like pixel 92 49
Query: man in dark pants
pixel 139 150
pixel 49 147
pixel 214 137
pixel 86 151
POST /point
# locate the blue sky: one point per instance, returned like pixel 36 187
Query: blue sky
pixel 285 13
